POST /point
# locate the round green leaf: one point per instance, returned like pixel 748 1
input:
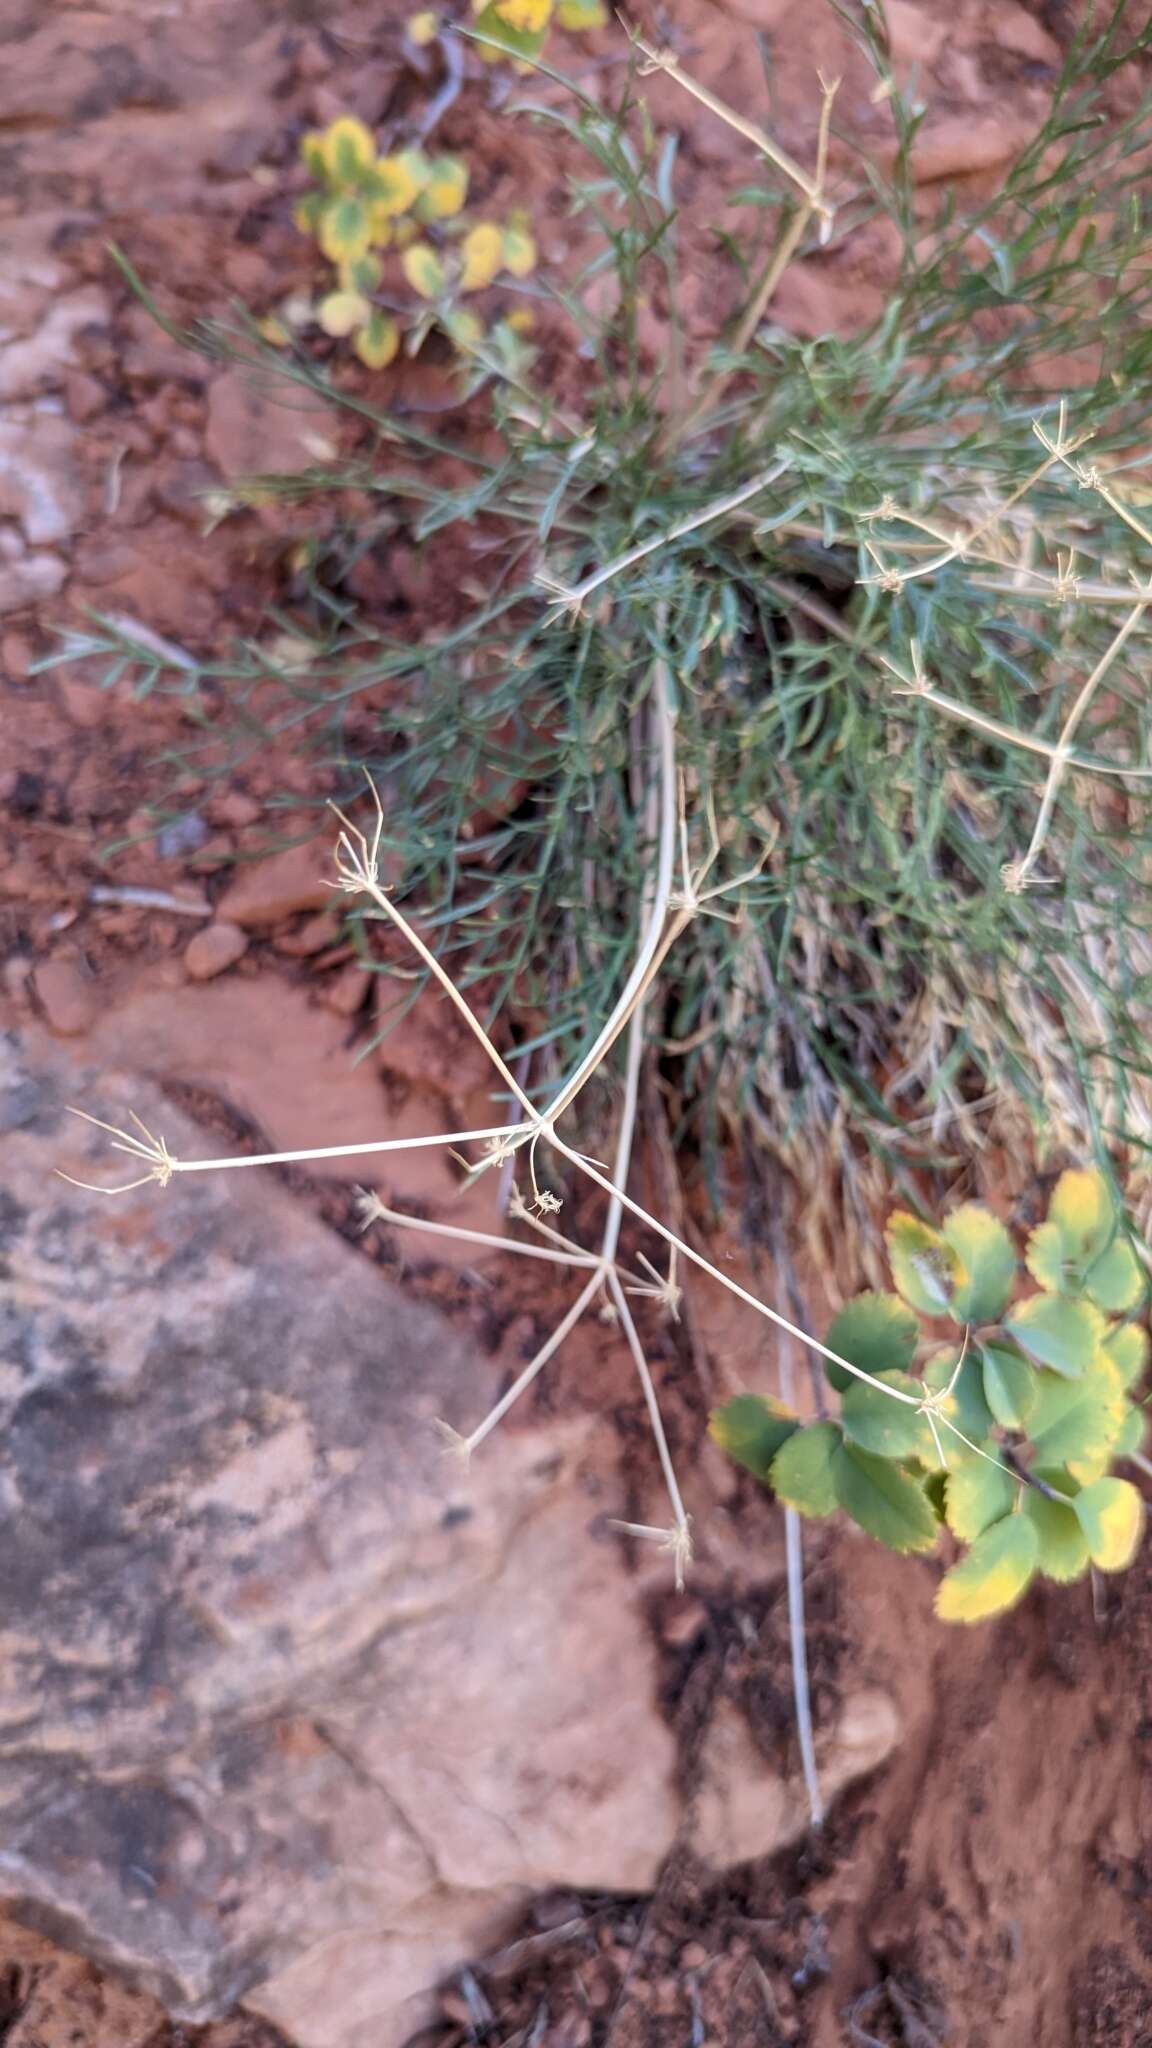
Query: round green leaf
pixel 1111 1514
pixel 1061 1334
pixel 966 1406
pixel 801 1474
pixel 876 1332
pixel 1077 1422
pixel 1126 1345
pixel 1063 1553
pixel 1009 1385
pixel 883 1500
pixel 1114 1281
pixel 924 1266
pixel 987 1259
pixel 887 1428
pixel 979 1493
pixel 993 1575
pixel 751 1428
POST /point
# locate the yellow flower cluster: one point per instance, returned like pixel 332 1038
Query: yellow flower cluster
pixel 364 203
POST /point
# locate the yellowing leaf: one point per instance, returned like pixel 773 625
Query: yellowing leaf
pixel 1111 1514
pixel 1084 1213
pixel 361 276
pixel 348 150
pixel 994 1574
pixel 513 42
pixel 423 269
pixel 527 16
pixel 345 230
pixel 521 320
pixel 395 184
pixel 582 14
pixel 987 1259
pixel 342 312
pixel 309 211
pixel 378 341
pixel 312 153
pixel 751 1428
pixel 482 254
pixel 925 1268
pixel 1045 1258
pixel 422 28
pixel 519 250
pixel 446 189
pixel 978 1494
pixel 274 331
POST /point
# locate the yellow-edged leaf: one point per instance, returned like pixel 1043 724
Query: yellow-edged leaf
pixel 445 190
pixel 519 250
pixel 513 42
pixel 345 230
pixel 361 276
pixel 309 212
pixel 1084 1213
pixel 528 17
pixel 1077 1423
pixel 1063 1544
pixel 423 269
pixel 378 341
pixel 582 14
pixel 751 1429
pixel 342 312
pixel 994 1574
pixel 482 256
pixel 987 1259
pixel 348 150
pixel 422 28
pixel 1115 1280
pixel 395 184
pixel 1111 1514
pixel 1062 1334
pixel 924 1266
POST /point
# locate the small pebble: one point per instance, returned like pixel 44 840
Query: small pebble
pixel 214 950
pixel 66 995
pixel 183 835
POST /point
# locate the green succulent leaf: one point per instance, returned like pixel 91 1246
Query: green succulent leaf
pixel 1063 1552
pixel 987 1263
pixel 876 1332
pixel 883 1500
pixel 979 1493
pixel 1009 1385
pixel 751 1428
pixel 1061 1334
pixel 924 1266
pixel 1111 1514
pixel 802 1469
pixel 994 1574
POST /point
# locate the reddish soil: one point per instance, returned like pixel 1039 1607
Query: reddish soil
pixel 992 1886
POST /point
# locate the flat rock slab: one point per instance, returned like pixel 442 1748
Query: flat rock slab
pixel 292 1709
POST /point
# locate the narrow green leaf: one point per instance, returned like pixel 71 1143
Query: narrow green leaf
pixel 1009 1385
pixel 751 1428
pixel 1063 1553
pixel 1115 1281
pixel 924 1266
pixel 1111 1514
pixel 994 1574
pixel 1061 1334
pixel 987 1260
pixel 877 1332
pixel 979 1493
pixel 887 1428
pixel 883 1500
pixel 801 1472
